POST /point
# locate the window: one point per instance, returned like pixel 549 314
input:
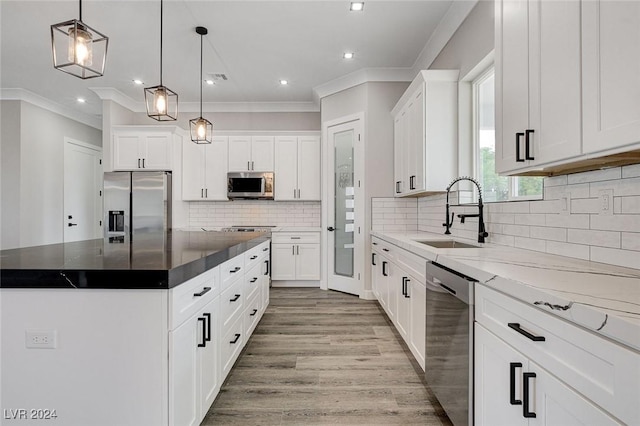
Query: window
pixel 494 187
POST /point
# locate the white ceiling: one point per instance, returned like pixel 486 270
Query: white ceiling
pixel 256 43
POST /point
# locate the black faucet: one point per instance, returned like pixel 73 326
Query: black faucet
pixel 482 233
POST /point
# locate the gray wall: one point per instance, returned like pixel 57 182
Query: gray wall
pixel 36 173
pixel 471 42
pixel 9 173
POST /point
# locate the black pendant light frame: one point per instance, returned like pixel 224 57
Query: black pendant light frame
pixel 61 34
pixel 170 112
pixel 196 123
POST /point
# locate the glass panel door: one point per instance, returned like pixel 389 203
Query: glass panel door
pixel 344 203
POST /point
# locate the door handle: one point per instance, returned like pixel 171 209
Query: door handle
pixel 204 333
pixel 206 193
pixel 404 286
pixel 384 269
pixel 267 262
pixel 202 193
pixel 525 395
pixel 411 184
pixel 252 166
pixel 331 229
pixel 248 165
pixel 373 259
pixel 72 224
pixel 397 187
pixel 527 155
pixel 512 383
pixel 518 159
pixel 298 250
pixel 138 163
pixel 207 337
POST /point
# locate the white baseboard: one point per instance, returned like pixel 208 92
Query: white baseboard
pixel 286 283
pixel 368 295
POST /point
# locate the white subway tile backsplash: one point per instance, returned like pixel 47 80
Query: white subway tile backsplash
pixel 592 237
pixel 585 205
pixel 621 188
pixel 616 222
pixel 555 181
pixel 250 212
pixel 568 221
pixel 631 171
pixel 615 257
pixel 394 214
pixel 545 206
pixel 549 234
pixel 516 230
pixel 630 205
pixel 631 241
pixel 567 249
pixel 595 176
pixel 530 244
pixel 580 190
pixel 530 219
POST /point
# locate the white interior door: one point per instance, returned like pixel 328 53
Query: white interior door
pixel 344 208
pixel 82 191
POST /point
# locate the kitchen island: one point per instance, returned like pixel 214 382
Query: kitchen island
pixel 104 333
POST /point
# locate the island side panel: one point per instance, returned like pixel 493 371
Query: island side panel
pixel 109 365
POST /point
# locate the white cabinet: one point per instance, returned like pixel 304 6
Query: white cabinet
pixel 417 293
pixel 537 82
pixel 425 133
pixel 143 147
pixel 510 389
pixel 297 168
pixel 295 256
pixel 610 70
pixel 204 170
pixel 573 376
pixel 251 153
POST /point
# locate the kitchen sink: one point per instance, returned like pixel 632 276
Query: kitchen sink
pixel 447 244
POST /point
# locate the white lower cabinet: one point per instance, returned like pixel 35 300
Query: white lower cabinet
pixel 418 303
pixel 296 256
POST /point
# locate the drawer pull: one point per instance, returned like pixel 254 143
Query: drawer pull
pixel 234 341
pixel 525 333
pixel 512 383
pixel 295 238
pixel 374 243
pixel 385 249
pixel 253 257
pixel 237 296
pixel 234 270
pixel 265 249
pixel 525 395
pixel 254 279
pixel 204 291
pixel 255 311
pixel 204 333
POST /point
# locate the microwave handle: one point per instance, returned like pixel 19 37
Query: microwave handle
pixel 264 185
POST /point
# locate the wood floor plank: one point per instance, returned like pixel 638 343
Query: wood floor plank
pixel 324 357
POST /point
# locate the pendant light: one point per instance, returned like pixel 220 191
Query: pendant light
pixel 201 128
pixel 78 49
pixel 162 102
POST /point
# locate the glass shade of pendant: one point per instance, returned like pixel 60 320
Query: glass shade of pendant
pixel 201 130
pixel 162 103
pixel 78 49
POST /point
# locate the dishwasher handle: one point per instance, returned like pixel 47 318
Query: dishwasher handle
pixel 453 282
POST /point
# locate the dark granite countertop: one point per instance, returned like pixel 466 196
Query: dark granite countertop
pixel 151 261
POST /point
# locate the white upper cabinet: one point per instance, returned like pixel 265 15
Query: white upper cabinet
pixel 204 175
pixel 297 168
pixel 537 82
pixel 143 148
pixel 251 153
pixel 610 75
pixel 425 133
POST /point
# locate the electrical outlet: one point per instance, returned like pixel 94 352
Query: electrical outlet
pixel 41 339
pixel 565 203
pixel 606 202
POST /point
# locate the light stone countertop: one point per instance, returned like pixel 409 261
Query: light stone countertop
pixel 602 298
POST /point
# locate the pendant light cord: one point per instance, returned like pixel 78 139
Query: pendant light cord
pixel 201 75
pixel 161 41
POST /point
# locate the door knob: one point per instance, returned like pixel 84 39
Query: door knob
pixel 331 229
pixel 72 224
pixel 70 217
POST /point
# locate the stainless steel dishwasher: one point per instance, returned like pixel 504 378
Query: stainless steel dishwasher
pixel 449 341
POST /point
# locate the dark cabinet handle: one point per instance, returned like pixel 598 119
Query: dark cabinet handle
pixel 254 279
pixel 206 193
pixel 525 395
pixel 397 187
pixel 331 229
pixel 265 249
pixel 71 224
pixel 253 257
pixel 518 159
pixel 234 341
pixel 384 268
pixel 255 311
pixel 138 163
pixel 411 184
pixel 143 166
pixel 527 154
pixel 237 296
pixel 374 243
pixel 201 192
pixel 267 262
pixel 204 333
pixel 373 259
pixel 525 333
pixel 512 383
pixel 207 336
pixel 234 270
pixel 406 288
pixel 204 291
pixel 385 249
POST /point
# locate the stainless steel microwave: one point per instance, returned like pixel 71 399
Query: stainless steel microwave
pixel 250 185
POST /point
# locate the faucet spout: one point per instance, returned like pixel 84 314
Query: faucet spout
pixel 482 233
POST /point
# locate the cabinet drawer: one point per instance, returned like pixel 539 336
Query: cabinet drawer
pixel 603 371
pixel 187 298
pixel 388 250
pixel 256 255
pixel 295 238
pixel 232 341
pixel 413 264
pixel 232 302
pixel 252 313
pixel 252 280
pixel 231 270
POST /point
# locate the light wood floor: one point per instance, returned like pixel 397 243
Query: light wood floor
pixel 324 357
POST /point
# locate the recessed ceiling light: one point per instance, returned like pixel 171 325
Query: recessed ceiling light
pixel 81 100
pixel 357 6
pixel 347 55
pixel 138 82
pixel 284 82
pixel 209 82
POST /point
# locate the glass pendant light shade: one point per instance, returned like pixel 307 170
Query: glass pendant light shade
pixel 201 130
pixel 78 49
pixel 162 102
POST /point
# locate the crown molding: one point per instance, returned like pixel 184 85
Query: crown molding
pixel 111 94
pixel 362 76
pixel 18 94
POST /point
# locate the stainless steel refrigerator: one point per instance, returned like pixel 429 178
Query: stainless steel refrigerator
pixel 136 203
